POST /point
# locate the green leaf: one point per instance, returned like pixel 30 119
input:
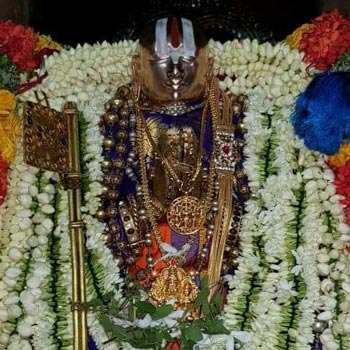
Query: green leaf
pixel 166 336
pixel 107 298
pixel 119 332
pixel 216 326
pixel 94 303
pixel 204 282
pixel 185 344
pixel 162 312
pixel 201 298
pixel 206 309
pixel 145 338
pixel 217 301
pixel 193 333
pixel 106 323
pixel 146 307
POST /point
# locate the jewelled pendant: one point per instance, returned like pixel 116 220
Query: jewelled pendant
pixel 186 215
pixel 173 283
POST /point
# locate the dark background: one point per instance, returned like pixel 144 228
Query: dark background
pixel 75 21
pixel 102 20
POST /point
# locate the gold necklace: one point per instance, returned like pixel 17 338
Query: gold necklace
pixel 186 214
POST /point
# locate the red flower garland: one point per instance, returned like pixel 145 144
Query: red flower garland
pixel 326 40
pixel 342 184
pixel 3 180
pixel 18 43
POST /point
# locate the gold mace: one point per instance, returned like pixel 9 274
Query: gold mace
pixel 51 142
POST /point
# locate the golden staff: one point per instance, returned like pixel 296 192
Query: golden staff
pixel 51 142
pixel 73 185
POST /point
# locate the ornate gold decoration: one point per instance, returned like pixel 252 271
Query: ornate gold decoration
pixel 148 203
pixel 71 181
pixel 174 283
pixel 225 203
pixel 184 187
pixel 45 138
pixel 153 127
pixel 51 142
pixel 186 215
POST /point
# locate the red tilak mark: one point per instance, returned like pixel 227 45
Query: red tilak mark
pixel 175 33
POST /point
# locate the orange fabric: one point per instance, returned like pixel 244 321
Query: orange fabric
pixel 141 262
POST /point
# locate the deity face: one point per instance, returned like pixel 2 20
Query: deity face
pixel 172 68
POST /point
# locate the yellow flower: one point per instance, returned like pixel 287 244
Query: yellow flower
pixel 293 39
pixel 9 126
pixel 7 103
pixel 9 130
pixel 342 157
pixel 44 41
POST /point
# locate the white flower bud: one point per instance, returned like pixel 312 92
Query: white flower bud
pixel 25 200
pixel 345 306
pixel 43 198
pixel 50 189
pixel 15 254
pixel 32 241
pixel 34 282
pixel 11 299
pixel 323 269
pixel 4 338
pixel 3 315
pixel 24 213
pixel 25 223
pixel 19 236
pixel 334 254
pixel 42 240
pixel 343 228
pixel 24 329
pixel 14 311
pixel 323 258
pixel 14 345
pixel 327 285
pixel 9 282
pixel 48 224
pixel 325 316
pixel 33 190
pixel 40 230
pixel 37 253
pixel 48 209
pixel 13 272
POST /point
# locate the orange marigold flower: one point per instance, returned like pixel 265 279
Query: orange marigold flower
pixel 45 42
pixel 9 131
pixel 7 102
pixel 341 158
pixel 9 126
pixel 293 40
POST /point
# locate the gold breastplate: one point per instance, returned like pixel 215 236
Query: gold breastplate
pixel 179 146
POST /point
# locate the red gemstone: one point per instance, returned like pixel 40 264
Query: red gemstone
pixel 226 149
pixel 173 262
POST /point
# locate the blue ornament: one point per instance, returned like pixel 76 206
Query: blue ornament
pixel 322 112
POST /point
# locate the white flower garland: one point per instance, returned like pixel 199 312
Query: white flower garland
pixel 64 279
pixel 271 76
pixel 17 236
pixel 26 256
